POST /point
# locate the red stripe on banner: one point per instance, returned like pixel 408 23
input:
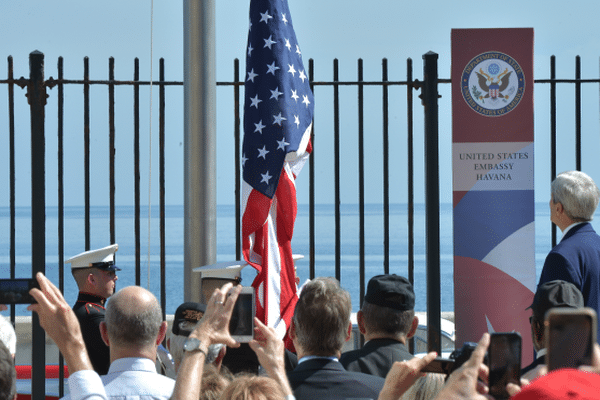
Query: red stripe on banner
pixel 457 196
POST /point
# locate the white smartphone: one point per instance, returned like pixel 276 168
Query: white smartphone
pixel 241 326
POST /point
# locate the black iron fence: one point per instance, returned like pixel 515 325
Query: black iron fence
pixel 36 88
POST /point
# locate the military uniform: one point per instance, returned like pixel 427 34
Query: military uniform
pixel 89 307
pixel 89 310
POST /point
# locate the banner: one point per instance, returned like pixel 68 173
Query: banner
pixel 493 188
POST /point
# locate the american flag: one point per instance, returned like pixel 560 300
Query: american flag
pixel 278 113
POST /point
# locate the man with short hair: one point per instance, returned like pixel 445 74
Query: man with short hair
pixel 576 259
pixel 95 274
pixel 319 328
pixel 387 320
pixel 133 329
pixel 549 295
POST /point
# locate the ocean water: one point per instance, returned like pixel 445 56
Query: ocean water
pixel 74 242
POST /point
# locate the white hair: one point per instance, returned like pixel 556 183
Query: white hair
pixel 7 335
pixel 577 193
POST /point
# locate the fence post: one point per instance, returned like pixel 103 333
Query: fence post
pixel 36 94
pixel 432 201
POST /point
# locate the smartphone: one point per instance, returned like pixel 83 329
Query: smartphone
pixel 16 291
pixel 241 325
pixel 504 362
pixel 440 366
pixel 570 336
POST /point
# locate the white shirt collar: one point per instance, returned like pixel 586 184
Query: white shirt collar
pixel 540 353
pixel 306 358
pixel 568 228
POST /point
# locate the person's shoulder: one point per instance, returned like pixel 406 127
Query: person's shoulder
pixel 349 356
pixel 372 381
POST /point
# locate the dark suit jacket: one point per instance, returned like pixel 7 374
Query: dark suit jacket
pixel 89 310
pixel 375 357
pixel 576 259
pixel 535 363
pixel 327 379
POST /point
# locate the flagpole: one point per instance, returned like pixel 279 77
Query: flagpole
pixel 200 230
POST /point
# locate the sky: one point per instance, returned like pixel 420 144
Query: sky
pixel 326 30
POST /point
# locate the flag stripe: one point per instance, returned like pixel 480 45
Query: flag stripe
pixel 278 113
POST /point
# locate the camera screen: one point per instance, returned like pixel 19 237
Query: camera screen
pixel 505 362
pixel 242 316
pixel 16 291
pixel 570 341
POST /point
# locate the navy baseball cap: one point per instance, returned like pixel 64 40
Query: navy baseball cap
pixel 391 291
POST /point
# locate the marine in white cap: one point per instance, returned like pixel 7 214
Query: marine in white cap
pixel 95 274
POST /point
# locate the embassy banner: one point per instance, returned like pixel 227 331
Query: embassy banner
pixel 492 153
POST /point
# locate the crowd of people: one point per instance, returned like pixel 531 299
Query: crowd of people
pixel 119 358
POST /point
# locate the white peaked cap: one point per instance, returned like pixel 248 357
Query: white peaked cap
pixel 101 258
pixel 222 270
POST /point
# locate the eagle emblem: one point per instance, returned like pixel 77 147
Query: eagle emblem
pixel 492 84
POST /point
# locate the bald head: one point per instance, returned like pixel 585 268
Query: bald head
pixel 133 317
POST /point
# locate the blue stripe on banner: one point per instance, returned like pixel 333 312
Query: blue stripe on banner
pixel 483 219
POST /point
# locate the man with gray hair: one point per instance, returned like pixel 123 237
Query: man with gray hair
pixel 8 375
pixel 576 258
pixel 133 328
pixel 8 335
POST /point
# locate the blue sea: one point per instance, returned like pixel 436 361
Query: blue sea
pixel 74 242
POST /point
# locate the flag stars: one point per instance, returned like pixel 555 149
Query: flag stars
pixel 302 76
pixel 281 144
pixel 259 127
pixel 288 44
pixel 292 70
pixel 255 100
pixel 295 95
pixel 272 68
pixel 252 75
pixel 250 50
pixel 297 121
pixel 265 17
pixel 265 178
pixel 278 119
pixel 298 50
pixel 304 100
pixel 275 94
pixel 284 18
pixel 244 159
pixel 269 42
pixel 263 152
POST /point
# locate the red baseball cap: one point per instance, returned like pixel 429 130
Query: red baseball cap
pixel 564 383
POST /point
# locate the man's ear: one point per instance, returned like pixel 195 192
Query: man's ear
pixel 413 327
pixel 349 333
pixel 559 208
pixel 162 332
pixel 104 333
pixel 292 330
pixel 91 279
pixel 360 321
